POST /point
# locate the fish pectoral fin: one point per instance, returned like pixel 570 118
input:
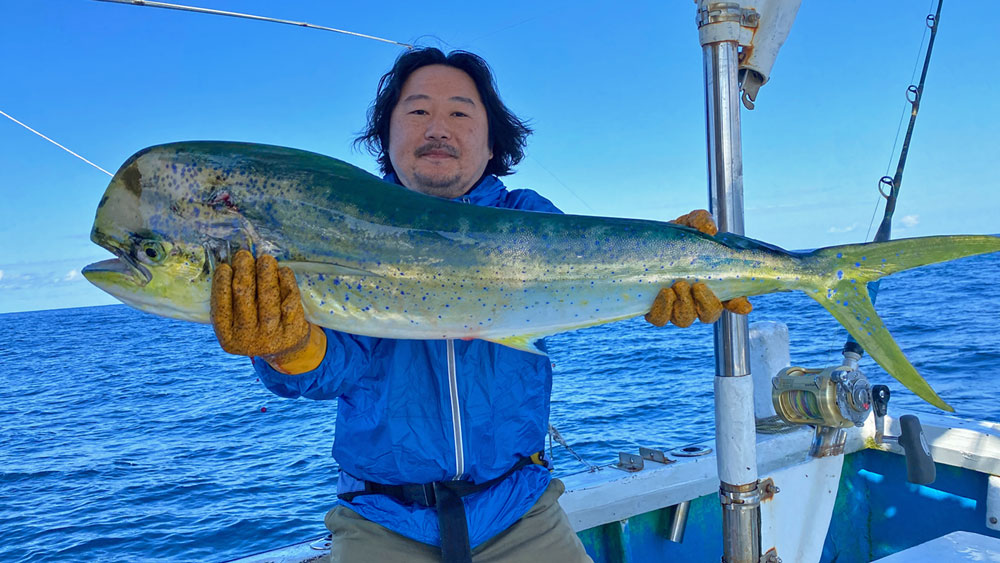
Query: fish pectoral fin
pixel 325 268
pixel 523 342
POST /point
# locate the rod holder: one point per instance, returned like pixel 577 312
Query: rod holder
pixel 679 523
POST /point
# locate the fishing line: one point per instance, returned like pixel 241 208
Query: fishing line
pixel 568 189
pixel 55 143
pixel 906 106
pixel 914 93
pixel 504 28
pixel 195 9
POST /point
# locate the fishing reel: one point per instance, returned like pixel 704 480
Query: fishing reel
pixel 836 397
pixel 831 400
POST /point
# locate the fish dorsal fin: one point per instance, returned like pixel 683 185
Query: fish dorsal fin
pixel 325 268
pixel 744 243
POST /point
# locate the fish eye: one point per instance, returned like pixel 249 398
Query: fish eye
pixel 151 251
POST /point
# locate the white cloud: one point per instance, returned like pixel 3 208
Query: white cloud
pixel 71 275
pixel 910 221
pixel 1 274
pixel 843 229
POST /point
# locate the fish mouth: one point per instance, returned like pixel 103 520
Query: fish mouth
pixel 124 265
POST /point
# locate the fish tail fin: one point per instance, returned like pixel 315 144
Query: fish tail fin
pixel 841 288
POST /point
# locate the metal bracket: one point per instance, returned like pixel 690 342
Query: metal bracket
pixel 629 462
pixel 739 500
pixel 718 12
pixel 726 21
pixel 654 455
pixel 767 489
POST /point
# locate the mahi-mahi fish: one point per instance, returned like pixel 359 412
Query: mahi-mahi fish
pixel 374 258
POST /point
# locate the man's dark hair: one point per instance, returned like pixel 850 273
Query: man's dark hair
pixel 508 135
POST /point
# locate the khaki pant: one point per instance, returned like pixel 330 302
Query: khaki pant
pixel 543 534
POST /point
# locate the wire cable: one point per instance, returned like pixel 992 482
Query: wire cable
pixel 55 143
pixel 195 9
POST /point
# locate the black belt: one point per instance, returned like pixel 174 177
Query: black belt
pixel 446 498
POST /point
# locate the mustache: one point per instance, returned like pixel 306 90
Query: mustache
pixel 443 147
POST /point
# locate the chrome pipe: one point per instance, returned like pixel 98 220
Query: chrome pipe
pixel 679 523
pixel 740 523
pixel 725 188
pixel 735 426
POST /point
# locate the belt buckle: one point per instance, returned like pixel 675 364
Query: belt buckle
pixel 429 494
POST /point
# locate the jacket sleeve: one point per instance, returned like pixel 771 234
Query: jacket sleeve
pixel 348 357
pixel 529 200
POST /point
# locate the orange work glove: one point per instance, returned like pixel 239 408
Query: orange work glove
pixel 257 311
pixel 683 302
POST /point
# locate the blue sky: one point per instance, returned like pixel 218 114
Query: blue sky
pixel 615 96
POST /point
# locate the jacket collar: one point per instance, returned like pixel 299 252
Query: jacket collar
pixel 487 191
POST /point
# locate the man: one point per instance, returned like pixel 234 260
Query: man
pixel 439 442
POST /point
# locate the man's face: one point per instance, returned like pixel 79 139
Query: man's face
pixel 438 132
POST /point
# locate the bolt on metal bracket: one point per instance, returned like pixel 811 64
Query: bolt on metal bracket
pixel 767 489
pixel 629 462
pixel 654 455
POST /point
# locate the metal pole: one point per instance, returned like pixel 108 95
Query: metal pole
pixel 736 439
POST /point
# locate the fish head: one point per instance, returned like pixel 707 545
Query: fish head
pixel 160 219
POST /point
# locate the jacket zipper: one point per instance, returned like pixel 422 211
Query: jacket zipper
pixel 456 413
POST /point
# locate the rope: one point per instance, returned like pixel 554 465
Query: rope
pixel 55 143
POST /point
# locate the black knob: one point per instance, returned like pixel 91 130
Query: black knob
pixel 880 399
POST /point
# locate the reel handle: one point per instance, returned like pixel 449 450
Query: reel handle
pixel 920 467
pixel 880 399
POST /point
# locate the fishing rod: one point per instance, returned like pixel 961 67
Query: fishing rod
pixel 852 350
pixel 209 11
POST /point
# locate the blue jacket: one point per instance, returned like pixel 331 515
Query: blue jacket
pixel 404 417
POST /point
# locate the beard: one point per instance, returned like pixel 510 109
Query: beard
pixel 440 186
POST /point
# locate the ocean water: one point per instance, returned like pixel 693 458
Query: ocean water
pixel 128 437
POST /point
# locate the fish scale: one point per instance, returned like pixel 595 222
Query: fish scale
pixel 376 259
